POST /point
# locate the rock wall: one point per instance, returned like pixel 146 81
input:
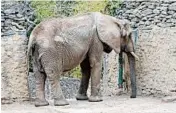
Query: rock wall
pixel 13 51
pixel 156 23
pixel 15 17
pixel 145 14
pixel 69 87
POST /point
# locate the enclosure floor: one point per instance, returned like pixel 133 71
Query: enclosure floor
pixel 118 104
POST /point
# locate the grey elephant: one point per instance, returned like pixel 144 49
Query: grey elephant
pixel 59 45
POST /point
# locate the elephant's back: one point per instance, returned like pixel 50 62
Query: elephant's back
pixel 46 28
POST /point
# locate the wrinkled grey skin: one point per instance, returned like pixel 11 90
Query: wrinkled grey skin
pixel 59 45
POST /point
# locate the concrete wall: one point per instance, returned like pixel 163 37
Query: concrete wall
pixel 110 74
pixel 13 51
pixel 156 70
pixel 156 23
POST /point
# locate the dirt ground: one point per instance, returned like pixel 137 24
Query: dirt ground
pixel 118 104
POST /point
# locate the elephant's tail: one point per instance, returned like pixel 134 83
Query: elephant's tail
pixel 30 43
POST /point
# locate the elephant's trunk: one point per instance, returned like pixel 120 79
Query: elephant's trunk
pixel 131 60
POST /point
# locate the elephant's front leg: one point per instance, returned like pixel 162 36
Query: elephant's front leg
pixel 95 80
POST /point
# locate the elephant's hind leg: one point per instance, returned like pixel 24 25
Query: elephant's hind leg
pixel 40 87
pixel 53 69
pixel 85 69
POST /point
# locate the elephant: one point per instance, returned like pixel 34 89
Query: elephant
pixel 59 45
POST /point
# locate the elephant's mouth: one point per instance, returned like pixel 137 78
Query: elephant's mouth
pixel 125 49
pixel 106 48
pixel 134 55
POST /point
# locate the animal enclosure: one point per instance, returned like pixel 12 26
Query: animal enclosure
pixel 156 72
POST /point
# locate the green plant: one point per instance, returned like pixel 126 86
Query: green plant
pixel 65 8
pixel 111 7
pixel 76 72
pixel 44 9
pixel 90 6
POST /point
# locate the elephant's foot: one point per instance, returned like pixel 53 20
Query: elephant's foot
pixel 95 99
pixel 39 102
pixel 133 96
pixel 81 97
pixel 60 102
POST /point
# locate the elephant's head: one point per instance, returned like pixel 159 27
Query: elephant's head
pixel 116 34
pixel 127 44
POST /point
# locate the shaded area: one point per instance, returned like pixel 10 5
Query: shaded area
pixel 69 87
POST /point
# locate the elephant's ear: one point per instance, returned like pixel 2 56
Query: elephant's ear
pixel 109 31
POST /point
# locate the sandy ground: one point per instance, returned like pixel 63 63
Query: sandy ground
pixel 118 104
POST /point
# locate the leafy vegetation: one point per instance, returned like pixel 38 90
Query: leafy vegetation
pixel 75 73
pixel 90 6
pixel 104 6
pixel 44 9
pixel 65 8
pixel 111 7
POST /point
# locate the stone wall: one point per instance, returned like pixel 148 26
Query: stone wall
pixel 15 17
pixel 13 50
pixel 145 14
pixel 69 87
pixel 156 23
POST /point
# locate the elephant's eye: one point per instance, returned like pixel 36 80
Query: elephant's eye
pixel 123 47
